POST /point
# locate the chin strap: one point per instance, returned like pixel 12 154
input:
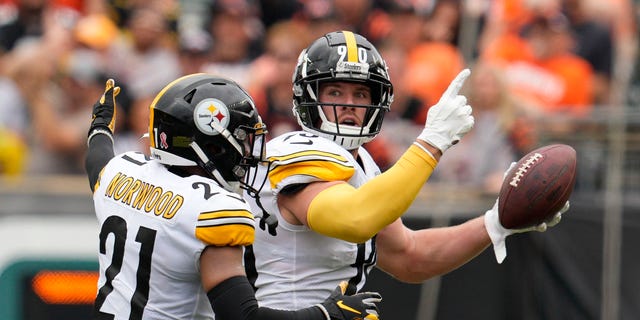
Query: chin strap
pixel 210 167
pixel 267 221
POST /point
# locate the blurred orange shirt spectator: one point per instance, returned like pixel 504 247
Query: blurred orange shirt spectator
pixel 541 70
pixel 558 84
pixel 431 66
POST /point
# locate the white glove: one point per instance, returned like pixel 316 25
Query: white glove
pixel 498 233
pixel 449 119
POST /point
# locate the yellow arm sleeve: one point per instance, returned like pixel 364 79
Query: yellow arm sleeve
pixel 356 215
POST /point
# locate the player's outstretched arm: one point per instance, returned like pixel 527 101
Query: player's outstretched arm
pixel 100 135
pixel 355 215
pixel 234 299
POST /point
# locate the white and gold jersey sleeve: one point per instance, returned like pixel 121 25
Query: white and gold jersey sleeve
pixel 300 157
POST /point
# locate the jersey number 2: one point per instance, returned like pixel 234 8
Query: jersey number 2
pixel 146 237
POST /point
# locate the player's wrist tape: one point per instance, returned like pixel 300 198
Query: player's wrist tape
pixel 100 131
pixel 436 139
pixel 424 149
pixel 324 310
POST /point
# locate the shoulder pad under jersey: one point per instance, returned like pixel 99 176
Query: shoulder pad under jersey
pixel 301 157
pixel 225 220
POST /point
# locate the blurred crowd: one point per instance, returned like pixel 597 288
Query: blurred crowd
pixel 530 60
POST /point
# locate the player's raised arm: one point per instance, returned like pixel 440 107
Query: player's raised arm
pixel 100 135
pixel 344 212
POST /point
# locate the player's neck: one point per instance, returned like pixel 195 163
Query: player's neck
pixel 357 157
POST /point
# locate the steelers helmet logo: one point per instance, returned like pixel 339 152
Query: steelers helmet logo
pixel 210 114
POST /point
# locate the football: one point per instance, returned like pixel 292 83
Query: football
pixel 537 187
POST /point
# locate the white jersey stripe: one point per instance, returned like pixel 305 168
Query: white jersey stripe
pixel 225 221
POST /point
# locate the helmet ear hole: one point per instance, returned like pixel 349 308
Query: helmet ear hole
pixel 189 97
pixel 214 150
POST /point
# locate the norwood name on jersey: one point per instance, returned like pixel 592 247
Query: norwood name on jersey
pixel 142 195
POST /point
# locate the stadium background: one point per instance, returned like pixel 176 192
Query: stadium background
pixel 574 271
pixel 582 269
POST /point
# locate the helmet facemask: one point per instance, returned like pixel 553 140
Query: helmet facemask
pixel 245 148
pixel 348 136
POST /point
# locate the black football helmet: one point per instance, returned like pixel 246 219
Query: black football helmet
pixel 341 56
pixel 210 122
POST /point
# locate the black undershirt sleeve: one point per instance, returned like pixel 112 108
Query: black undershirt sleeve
pixel 234 299
pixel 100 151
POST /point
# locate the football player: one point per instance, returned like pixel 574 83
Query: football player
pixel 172 225
pixel 328 213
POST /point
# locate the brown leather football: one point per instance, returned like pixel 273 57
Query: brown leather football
pixel 538 186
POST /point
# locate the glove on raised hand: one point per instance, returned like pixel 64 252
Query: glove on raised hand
pixel 103 117
pixel 498 233
pixel 343 304
pixel 449 119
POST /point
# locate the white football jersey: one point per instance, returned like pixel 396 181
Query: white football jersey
pixel 153 227
pixel 297 267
